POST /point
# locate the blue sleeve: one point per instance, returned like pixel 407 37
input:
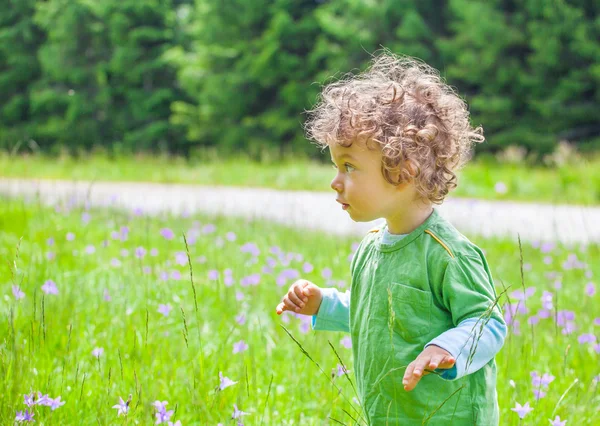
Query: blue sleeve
pixel 334 312
pixel 473 343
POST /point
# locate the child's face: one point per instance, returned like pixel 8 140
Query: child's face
pixel 360 184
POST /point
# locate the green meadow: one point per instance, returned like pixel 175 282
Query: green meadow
pixel 100 304
pixel 574 179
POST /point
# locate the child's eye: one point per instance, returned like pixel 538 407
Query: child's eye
pixel 348 167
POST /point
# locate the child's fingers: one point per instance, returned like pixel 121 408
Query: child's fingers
pixel 447 362
pixel 408 374
pixel 298 291
pixel 421 364
pixel 280 308
pixel 411 377
pixel 294 299
pixel 290 305
pixel 436 361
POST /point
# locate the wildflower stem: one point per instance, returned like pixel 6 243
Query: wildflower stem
pixel 266 399
pixel 563 396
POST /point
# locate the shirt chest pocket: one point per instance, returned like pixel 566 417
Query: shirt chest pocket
pixel 412 310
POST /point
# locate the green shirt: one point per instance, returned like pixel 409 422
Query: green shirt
pixel 402 296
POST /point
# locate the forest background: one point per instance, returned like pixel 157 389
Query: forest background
pixel 185 77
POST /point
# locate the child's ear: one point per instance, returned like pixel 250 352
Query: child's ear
pixel 412 170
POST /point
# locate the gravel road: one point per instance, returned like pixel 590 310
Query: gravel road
pixel 315 210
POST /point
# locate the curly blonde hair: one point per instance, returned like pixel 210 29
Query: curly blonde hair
pixel 403 106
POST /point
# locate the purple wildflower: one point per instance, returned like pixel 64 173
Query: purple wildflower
pixel 586 338
pixel 115 263
pixel 569 328
pixel 590 289
pixel 541 381
pixel 50 241
pixel 97 352
pixel 176 275
pixel 596 321
pixel 25 416
pixel 307 268
pixel 557 422
pixel 543 313
pixel 225 382
pixel 237 413
pixel 29 400
pixel 230 236
pixel 563 317
pixel 162 415
pixel 326 273
pixel 547 247
pixel 213 274
pixel 140 252
pixel 49 287
pixel 346 342
pixel 239 346
pixel 164 309
pixel 239 295
pixel 250 248
pixel 17 292
pixel 240 319
pixel 107 295
pixel 522 411
pixel 85 217
pixel 70 236
pixel 55 403
pixel 305 321
pixel 167 234
pixel 520 295
pixel 341 370
pixel 209 228
pixel 124 231
pixel 181 258
pixel 500 188
pixel 123 406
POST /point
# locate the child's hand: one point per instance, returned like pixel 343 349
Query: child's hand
pixel 431 358
pixel 303 297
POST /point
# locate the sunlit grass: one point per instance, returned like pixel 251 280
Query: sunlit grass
pixel 483 178
pixel 110 292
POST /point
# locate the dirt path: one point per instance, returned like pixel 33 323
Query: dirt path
pixel 316 210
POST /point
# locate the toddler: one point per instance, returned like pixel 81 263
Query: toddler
pixel 422 309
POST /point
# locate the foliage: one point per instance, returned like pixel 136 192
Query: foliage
pixel 176 75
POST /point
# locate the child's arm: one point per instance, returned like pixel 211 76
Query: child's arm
pixel 449 352
pixel 329 307
pixel 467 292
pixel 473 343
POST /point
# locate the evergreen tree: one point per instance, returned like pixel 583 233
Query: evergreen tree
pixel 20 39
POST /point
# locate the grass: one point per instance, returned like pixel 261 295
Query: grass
pixel 109 298
pixel 485 178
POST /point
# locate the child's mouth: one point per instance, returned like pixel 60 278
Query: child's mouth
pixel 345 206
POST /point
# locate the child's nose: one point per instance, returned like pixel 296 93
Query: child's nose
pixel 336 184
